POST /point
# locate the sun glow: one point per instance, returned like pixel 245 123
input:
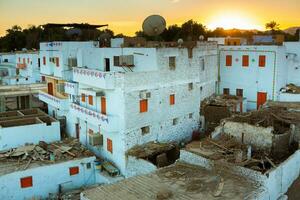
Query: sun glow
pixel 229 21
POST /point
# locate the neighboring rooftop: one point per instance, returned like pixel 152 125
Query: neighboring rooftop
pixel 15 90
pixel 31 156
pixel 179 181
pixel 24 117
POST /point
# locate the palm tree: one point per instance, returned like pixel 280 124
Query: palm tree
pixel 272 25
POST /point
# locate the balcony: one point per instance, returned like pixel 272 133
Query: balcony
pixel 94 78
pixel 107 122
pixel 62 104
pixel 21 65
pixel 71 88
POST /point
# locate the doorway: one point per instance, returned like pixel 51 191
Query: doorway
pixel 77 130
pixel 107 64
pixel 261 98
pixel 50 88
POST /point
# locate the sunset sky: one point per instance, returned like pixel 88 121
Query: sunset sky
pixel 126 16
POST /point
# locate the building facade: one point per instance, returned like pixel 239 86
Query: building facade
pixel 255 72
pixel 122 97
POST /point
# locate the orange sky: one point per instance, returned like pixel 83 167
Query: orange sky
pixel 126 16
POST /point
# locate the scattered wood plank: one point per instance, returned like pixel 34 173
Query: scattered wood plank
pixel 62 150
pixel 270 161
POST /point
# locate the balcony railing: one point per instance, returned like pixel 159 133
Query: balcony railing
pixel 107 122
pixel 71 88
pixel 21 65
pixel 96 78
pixel 62 104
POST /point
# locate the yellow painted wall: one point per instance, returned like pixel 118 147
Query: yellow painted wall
pixel 55 92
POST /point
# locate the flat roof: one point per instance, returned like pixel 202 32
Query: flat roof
pixel 180 181
pixel 24 117
pixel 31 156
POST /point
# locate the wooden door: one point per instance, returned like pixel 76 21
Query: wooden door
pixel 103 105
pixel 261 98
pixel 77 130
pixel 50 88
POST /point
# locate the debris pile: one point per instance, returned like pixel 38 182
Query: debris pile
pixel 216 108
pixel 291 88
pixel 44 153
pixel 227 149
pixel 160 154
pixel 278 117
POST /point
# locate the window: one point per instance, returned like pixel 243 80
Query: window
pixel 228 60
pixel 201 88
pixel 28 61
pixel 191 115
pixel 24 60
pixel 17 80
pixel 103 105
pixel 73 171
pixel 91 132
pixel 39 62
pixel 143 105
pixel 44 60
pixel 116 60
pixel 109 145
pixel 191 86
pixel 239 92
pixel 172 62
pixel 145 130
pixel 83 97
pixel 262 61
pixel 19 59
pixel 175 121
pixel 26 79
pixel 57 61
pixel 226 91
pixel 172 99
pixel 26 182
pixel 88 165
pixel 245 61
pixel 202 64
pixel 90 99
pixel 43 78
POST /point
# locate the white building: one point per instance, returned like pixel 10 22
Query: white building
pixel 23 67
pixel 46 175
pixel 18 128
pixel 255 72
pixel 57 60
pixel 128 96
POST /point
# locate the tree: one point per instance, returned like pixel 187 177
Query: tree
pixel 273 26
pixel 191 30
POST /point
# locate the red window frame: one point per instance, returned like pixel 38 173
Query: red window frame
pixel 245 61
pixel 26 182
pixel 73 170
pixel 262 61
pixel 228 60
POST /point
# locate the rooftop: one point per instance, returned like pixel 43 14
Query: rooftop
pixel 24 117
pixel 31 156
pixel 179 181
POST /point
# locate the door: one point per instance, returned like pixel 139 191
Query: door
pixel 103 105
pixel 50 88
pixel 107 65
pixel 77 130
pixel 261 98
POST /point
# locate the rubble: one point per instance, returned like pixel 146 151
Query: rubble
pixel 160 154
pixel 291 88
pixel 215 108
pixel 227 149
pixel 44 153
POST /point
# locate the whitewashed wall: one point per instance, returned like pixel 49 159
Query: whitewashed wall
pixel 46 179
pixel 17 136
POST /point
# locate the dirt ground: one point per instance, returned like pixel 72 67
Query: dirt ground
pixel 294 192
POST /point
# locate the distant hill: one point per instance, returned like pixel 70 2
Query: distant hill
pixel 292 30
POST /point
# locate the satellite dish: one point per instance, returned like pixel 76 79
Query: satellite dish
pixel 180 41
pixel 154 25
